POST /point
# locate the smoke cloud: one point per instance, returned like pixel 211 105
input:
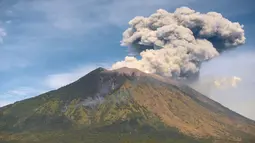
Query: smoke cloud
pixel 175 44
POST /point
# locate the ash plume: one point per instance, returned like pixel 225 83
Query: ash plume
pixel 176 44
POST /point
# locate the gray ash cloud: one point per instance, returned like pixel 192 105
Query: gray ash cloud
pixel 175 44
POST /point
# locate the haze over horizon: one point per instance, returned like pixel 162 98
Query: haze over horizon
pixel 49 44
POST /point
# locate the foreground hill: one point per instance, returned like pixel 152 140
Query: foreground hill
pixel 122 106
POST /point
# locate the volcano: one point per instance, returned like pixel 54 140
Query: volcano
pixel 123 106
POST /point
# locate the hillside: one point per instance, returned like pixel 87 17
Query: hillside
pixel 122 106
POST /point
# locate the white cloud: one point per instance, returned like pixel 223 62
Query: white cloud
pixel 58 80
pixel 235 63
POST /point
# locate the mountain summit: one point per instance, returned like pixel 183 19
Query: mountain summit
pixel 123 106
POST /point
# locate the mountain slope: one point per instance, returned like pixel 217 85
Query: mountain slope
pixel 124 105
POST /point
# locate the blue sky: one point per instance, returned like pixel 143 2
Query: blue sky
pixel 50 43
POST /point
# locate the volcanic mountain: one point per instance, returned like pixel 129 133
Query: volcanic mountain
pixel 123 106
